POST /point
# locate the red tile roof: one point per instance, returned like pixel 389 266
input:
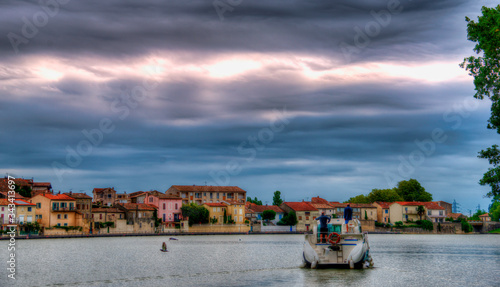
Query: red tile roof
pixel 4 183
pixel 4 202
pixel 207 188
pixel 262 208
pixel 353 205
pixel 318 199
pixel 215 204
pixel 77 195
pixel 455 216
pixel 384 204
pixel 136 194
pixel 17 195
pixel 137 206
pixel 57 196
pixel 484 215
pixel 322 205
pixel 300 206
pixel 428 205
pixel 42 184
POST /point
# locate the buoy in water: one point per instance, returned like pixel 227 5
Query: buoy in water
pixel 164 247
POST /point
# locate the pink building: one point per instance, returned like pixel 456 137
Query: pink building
pixel 168 206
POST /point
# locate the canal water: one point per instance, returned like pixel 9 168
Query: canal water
pixel 249 260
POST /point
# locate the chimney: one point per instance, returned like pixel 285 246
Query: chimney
pixel 70 192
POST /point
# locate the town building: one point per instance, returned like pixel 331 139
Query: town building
pixel 122 197
pixel 83 203
pixel 408 211
pixel 456 216
pixel 104 196
pixel 236 209
pixel 24 212
pixel 447 206
pixel 485 217
pixel 360 211
pixel 54 210
pixel 257 210
pixel 138 197
pixel 323 206
pixel 200 194
pixel 107 214
pixel 140 215
pixel 383 211
pixel 41 187
pixel 168 206
pixel 305 212
pixel 216 210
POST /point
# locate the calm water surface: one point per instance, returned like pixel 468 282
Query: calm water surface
pixel 256 260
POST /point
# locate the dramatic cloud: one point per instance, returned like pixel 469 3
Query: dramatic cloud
pixel 329 98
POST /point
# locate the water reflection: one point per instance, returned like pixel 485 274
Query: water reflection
pixel 256 260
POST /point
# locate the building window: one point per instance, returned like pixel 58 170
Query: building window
pixel 100 216
pixel 440 212
pixel 300 217
pixel 109 195
pixel 150 199
pixel 65 224
pixel 214 209
pixel 39 205
pixel 308 213
pixel 164 206
pixel 387 211
pixel 29 209
pixel 429 212
pixel 58 216
pixel 307 217
pixel 59 224
pixel 40 216
pixel 241 219
pixel 65 216
pixel 77 206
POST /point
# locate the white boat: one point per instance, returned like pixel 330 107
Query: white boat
pixel 343 248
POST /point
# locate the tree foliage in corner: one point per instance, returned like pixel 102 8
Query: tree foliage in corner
pixel 485 70
pixel 411 190
pixel 277 198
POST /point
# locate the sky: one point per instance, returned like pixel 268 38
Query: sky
pixel 312 98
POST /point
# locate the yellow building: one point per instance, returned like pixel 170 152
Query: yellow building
pixel 25 212
pixel 383 214
pixel 55 210
pixel 216 210
pixel 201 194
pixel 236 210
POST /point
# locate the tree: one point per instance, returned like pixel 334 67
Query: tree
pixel 495 210
pixel 475 216
pixel 366 215
pixel 254 201
pixel 196 213
pixel 268 215
pixel 155 217
pixel 213 220
pixel 277 198
pixel 23 190
pixel 420 211
pixel 485 70
pixel 358 199
pixel 385 195
pixel 289 219
pixel 411 190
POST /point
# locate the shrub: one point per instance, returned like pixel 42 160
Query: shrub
pixel 466 227
pixel 398 223
pixel 378 224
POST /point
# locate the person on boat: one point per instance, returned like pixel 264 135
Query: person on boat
pixel 323 226
pixel 347 216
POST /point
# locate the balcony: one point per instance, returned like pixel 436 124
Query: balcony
pixel 71 208
pixel 410 212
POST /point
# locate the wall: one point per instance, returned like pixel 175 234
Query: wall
pixel 367 225
pixel 209 228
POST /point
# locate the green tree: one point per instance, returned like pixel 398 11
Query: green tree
pixel 366 215
pixel 358 199
pixel 475 216
pixel 24 190
pixel 268 215
pixel 420 211
pixel 277 198
pixel 213 220
pixel 156 219
pixel 254 201
pixel 485 70
pixel 196 213
pixel 411 190
pixel 289 219
pixel 495 210
pixel 385 195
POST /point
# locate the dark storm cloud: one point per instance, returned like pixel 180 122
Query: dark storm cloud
pixel 119 29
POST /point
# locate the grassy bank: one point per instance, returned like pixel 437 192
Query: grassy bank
pixel 495 231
